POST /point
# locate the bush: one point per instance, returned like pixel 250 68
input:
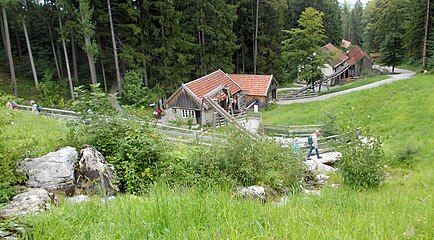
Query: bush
pixel 133 91
pixel 241 161
pixel 132 147
pixel 52 93
pixel 329 126
pixel 91 101
pixel 362 162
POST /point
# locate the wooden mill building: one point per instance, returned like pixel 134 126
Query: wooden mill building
pixel 233 92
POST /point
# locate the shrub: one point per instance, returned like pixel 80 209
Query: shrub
pixel 362 162
pixel 52 93
pixel 132 147
pixel 133 91
pixel 329 124
pixel 91 101
pixel 240 161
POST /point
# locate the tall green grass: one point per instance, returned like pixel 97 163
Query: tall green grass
pixel 192 214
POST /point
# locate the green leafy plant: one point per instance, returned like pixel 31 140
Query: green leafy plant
pixel 52 93
pixel 133 148
pixel 93 101
pixel 329 125
pixel 242 162
pixel 362 162
pixel 133 91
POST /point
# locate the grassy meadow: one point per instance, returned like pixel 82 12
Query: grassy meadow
pixel 401 208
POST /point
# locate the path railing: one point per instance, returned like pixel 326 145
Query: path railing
pixel 52 112
pixel 172 133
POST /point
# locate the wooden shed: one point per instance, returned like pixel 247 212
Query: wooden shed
pixel 233 92
pixel 261 89
pixel 188 100
pixel 358 61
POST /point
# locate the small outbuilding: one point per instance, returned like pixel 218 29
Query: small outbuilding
pixel 259 89
pixel 358 61
pixel 232 92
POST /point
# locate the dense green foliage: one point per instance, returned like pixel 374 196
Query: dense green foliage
pixel 132 147
pixel 396 29
pixel 242 163
pixel 362 162
pixel 301 50
pixel 171 42
pixel 133 90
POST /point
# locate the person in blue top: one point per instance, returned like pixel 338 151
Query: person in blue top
pixel 313 142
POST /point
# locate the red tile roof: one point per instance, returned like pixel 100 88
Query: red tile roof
pixel 255 85
pixel 337 56
pixel 345 43
pixel 355 55
pixel 202 86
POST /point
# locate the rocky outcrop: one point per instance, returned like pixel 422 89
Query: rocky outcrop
pixel 93 174
pixel 53 172
pixel 33 201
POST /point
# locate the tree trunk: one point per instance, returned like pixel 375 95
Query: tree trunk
pixel 59 56
pixel 9 51
pixel 255 41
pixel 102 67
pixel 3 30
pixel 115 51
pixel 74 57
pixel 29 49
pixel 425 40
pixel 20 55
pixel 54 52
pixel 90 59
pixel 71 87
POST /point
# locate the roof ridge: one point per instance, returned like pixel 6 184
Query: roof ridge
pixel 231 79
pixel 209 74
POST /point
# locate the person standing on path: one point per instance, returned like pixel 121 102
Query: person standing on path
pixel 313 142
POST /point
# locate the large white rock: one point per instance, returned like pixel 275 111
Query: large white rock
pixel 33 201
pixel 94 175
pixel 53 172
pixel 318 167
pixel 255 192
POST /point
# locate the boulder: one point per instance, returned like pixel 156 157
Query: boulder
pixel 93 174
pixel 53 172
pixel 317 167
pixel 33 201
pixel 255 192
pixel 78 199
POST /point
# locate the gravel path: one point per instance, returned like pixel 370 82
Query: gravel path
pixel 403 74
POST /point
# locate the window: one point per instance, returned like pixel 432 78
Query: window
pixel 188 113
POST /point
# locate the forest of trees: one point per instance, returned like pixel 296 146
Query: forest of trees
pixel 170 42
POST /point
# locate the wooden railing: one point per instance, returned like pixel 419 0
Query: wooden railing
pixel 290 131
pixel 52 112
